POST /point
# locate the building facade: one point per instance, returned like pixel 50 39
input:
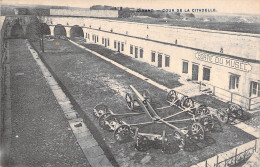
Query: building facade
pixel 226 62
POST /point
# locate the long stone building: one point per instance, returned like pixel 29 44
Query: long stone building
pixel 227 62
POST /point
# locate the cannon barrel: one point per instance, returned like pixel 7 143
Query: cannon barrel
pixel 137 93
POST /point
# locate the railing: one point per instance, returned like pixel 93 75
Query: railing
pixel 232 158
pixel 246 102
pixel 237 158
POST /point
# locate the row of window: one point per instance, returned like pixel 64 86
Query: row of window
pixel 233 78
pixel 138 51
pixel 254 86
pixel 105 41
pixel 120 46
pixel 195 71
pixel 141 51
pixel 95 38
pixel 167 59
pixel 87 35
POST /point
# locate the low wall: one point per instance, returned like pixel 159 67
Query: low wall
pixel 2 72
pixel 88 13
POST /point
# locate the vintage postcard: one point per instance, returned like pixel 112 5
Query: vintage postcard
pixel 130 83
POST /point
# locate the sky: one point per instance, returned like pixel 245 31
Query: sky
pixel 221 6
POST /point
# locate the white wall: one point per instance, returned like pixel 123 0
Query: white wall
pixel 189 40
pixel 219 75
pixel 236 44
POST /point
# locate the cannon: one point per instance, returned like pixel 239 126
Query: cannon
pixel 184 102
pixel 233 111
pixel 126 130
pixel 109 120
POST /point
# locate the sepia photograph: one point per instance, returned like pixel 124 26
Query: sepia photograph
pixel 130 83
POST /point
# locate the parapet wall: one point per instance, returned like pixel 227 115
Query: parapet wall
pixel 87 13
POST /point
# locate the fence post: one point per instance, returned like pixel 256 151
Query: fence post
pixel 206 165
pixel 217 161
pixel 249 104
pixel 214 90
pixel 236 157
pixel 255 144
pixel 200 86
pixel 231 100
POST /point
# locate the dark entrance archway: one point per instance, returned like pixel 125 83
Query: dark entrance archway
pixel 45 29
pixel 77 32
pixel 59 30
pixel 17 31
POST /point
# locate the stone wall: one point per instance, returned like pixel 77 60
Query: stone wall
pixel 231 43
pixel 2 72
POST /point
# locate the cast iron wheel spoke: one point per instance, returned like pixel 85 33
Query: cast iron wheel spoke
pixel 207 122
pixel 129 101
pixel 202 110
pixel 99 110
pixel 171 96
pixel 197 131
pixel 222 115
pixel 122 133
pixel 103 121
pixel 142 143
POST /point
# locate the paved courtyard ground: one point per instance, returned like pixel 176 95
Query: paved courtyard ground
pixel 40 133
pixel 91 80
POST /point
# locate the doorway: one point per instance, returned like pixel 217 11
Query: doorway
pixel 118 48
pixel 159 60
pixel 195 72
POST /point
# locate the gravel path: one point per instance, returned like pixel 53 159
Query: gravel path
pixel 40 133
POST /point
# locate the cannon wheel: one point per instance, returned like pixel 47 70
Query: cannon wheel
pixel 222 115
pixel 146 95
pixel 102 121
pixel 167 147
pixel 99 110
pixel 142 143
pixel 236 110
pixel 202 110
pixel 239 113
pixel 207 122
pixel 234 107
pixel 187 102
pixel 180 138
pixel 122 133
pixel 197 131
pixel 172 96
pixel 129 101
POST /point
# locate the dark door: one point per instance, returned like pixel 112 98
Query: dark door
pixel 136 52
pixel 105 42
pixel 195 72
pixel 159 60
pixel 118 48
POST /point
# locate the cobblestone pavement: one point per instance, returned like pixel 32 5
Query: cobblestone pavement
pixel 40 133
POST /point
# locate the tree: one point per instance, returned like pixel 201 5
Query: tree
pixel 34 31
